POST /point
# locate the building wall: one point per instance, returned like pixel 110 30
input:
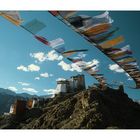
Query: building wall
pixel 61 87
pixel 21 107
pixel 75 83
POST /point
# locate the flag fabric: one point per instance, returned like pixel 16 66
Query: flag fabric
pixel 122 58
pixel 127 60
pixel 89 67
pixel 71 52
pixel 113 42
pixel 34 26
pixel 67 14
pixel 74 60
pixel 60 49
pixel 102 37
pixel 132 64
pixel 12 16
pixel 54 13
pixel 120 54
pixel 98 29
pixel 57 42
pixel 42 39
pixel 92 71
pixel 76 21
pixel 103 18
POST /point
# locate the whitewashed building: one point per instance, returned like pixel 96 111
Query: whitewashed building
pixel 74 84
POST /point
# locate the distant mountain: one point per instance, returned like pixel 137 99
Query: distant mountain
pixel 89 109
pixel 26 95
pixel 8 97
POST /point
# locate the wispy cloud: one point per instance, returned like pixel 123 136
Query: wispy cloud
pixel 23 83
pixel 29 68
pixel 46 75
pixel 30 90
pixel 50 92
pixel 115 68
pixel 13 88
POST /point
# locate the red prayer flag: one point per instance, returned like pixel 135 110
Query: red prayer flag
pixel 54 13
pixel 42 39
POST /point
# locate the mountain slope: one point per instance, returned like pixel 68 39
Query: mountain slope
pixel 8 97
pixel 89 109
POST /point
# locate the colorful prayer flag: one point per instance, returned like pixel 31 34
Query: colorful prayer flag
pixel 42 39
pixel 12 16
pixel 71 52
pixel 56 42
pixel 98 29
pixel 113 42
pixel 67 14
pixel 34 26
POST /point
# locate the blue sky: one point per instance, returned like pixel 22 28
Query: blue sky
pixel 17 45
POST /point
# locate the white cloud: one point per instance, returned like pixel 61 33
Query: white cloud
pixel 46 75
pixel 94 62
pixel 59 79
pixel 40 56
pixel 30 90
pixel 69 67
pixel 76 66
pixel 13 89
pixel 80 55
pixel 23 83
pixel 22 68
pixel 52 56
pixel 115 68
pixel 31 68
pixel 37 78
pixel 50 92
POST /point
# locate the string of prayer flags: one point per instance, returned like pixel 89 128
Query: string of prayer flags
pixel 12 16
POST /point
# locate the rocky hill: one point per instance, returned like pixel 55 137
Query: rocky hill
pixel 89 109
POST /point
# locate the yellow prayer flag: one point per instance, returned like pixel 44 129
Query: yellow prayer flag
pixel 127 60
pixel 113 42
pixel 12 18
pixel 97 29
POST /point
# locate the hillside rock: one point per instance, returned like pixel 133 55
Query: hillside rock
pixel 89 109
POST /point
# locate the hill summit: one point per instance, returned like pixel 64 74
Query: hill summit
pixel 89 109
